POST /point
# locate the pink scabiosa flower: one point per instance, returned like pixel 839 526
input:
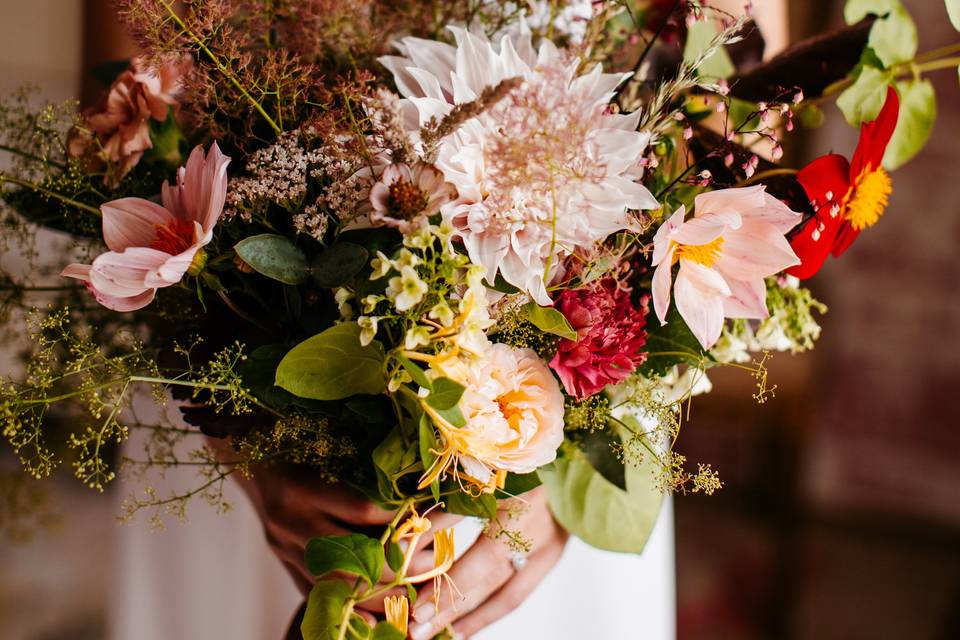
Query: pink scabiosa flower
pixel 542 172
pixel 734 240
pixel 514 410
pixel 121 122
pixel 610 337
pixel 405 197
pixel 152 246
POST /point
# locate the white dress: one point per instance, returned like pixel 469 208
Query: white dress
pixel 215 578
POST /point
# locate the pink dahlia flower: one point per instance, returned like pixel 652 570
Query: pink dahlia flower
pixel 734 240
pixel 543 172
pixel 152 246
pixel 610 337
pixel 121 122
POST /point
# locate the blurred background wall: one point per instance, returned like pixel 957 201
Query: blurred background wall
pixel 840 519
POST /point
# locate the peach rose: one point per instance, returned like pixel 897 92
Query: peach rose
pixel 514 414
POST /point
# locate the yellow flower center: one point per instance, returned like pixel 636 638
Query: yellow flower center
pixel 868 198
pixel 705 254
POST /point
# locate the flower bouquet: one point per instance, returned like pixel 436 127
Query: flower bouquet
pixel 440 252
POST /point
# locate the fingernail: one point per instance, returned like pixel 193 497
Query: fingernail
pixel 425 613
pixel 422 632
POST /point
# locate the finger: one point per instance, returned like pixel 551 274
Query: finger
pixel 297 527
pixel 350 507
pixel 479 573
pixel 514 592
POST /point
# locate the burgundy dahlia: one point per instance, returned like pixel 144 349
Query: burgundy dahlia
pixel 610 337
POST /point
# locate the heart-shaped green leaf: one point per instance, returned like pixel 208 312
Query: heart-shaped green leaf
pixel 274 256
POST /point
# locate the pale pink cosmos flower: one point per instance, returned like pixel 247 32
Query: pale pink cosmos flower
pixel 153 246
pixel 121 123
pixel 734 240
pixel 405 197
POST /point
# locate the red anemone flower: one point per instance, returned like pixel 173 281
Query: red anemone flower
pixel 847 196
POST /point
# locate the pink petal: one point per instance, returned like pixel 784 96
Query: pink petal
pixel 131 222
pixel 663 237
pixel 661 289
pixel 213 190
pixel 78 271
pixel 131 303
pixel 173 270
pixel 756 250
pixel 708 281
pixel 701 310
pixel 748 299
pixel 124 274
pixel 699 231
pixel 736 199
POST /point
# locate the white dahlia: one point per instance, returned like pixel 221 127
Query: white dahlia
pixel 544 171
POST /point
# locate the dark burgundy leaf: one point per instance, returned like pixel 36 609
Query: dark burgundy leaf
pixel 709 149
pixel 811 65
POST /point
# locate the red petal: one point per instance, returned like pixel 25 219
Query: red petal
pixel 827 173
pixel 844 239
pixel 813 253
pixel 875 135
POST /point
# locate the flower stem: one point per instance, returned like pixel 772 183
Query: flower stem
pixel 26 184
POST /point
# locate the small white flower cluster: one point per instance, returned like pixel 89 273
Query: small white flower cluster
pixel 311 221
pixel 278 175
pixel 789 327
pixel 345 187
pixel 433 293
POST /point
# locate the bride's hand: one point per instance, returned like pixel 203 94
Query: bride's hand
pixel 490 584
pixel 292 511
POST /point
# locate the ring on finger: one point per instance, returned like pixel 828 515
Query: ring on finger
pixel 518 560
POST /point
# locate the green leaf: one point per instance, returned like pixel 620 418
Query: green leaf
pixel 597 446
pixel 391 457
pixel 258 372
pixel 333 365
pixel 671 344
pixel 446 394
pixel 598 512
pixel 324 610
pixel 953 10
pixel 918 111
pixel 386 631
pixel 862 101
pixel 166 139
pixel 549 320
pixel 338 264
pixel 482 506
pixel 428 442
pixel 356 554
pixel 699 36
pixel 274 256
pixel 893 37
pixel 453 415
pixel 394 556
pixel 415 371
